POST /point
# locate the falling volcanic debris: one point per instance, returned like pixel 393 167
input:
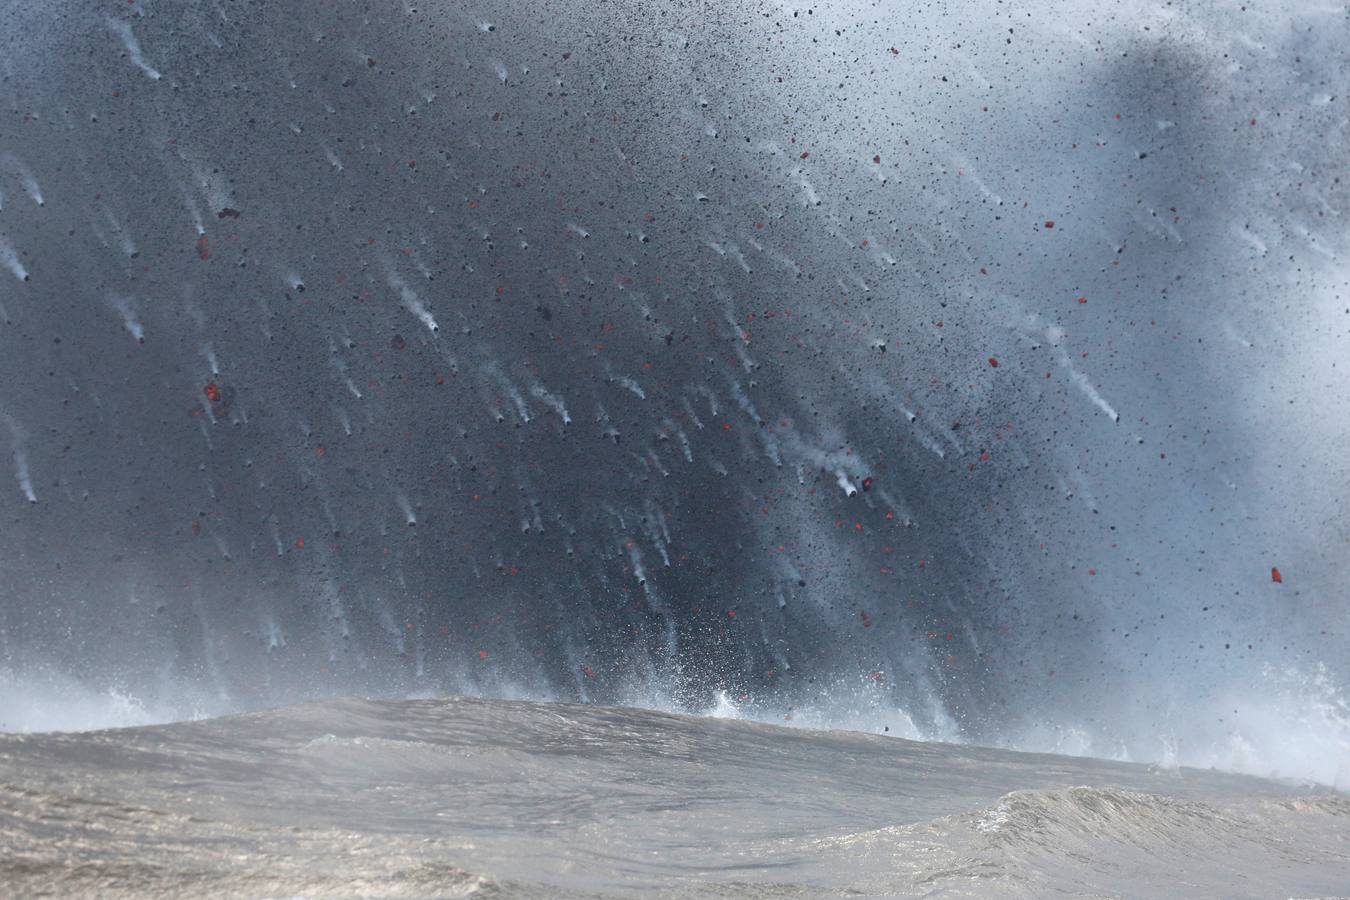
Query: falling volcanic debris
pixel 656 353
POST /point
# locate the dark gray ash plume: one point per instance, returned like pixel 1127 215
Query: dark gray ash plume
pixel 974 363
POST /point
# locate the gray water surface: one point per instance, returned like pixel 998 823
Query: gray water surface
pixel 461 797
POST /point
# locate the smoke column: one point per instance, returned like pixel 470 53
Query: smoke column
pixel 975 372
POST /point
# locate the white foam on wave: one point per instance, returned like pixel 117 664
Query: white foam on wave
pixel 1299 727
pixel 49 701
pixel 1288 723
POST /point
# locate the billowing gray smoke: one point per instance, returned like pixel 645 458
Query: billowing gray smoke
pixel 978 365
